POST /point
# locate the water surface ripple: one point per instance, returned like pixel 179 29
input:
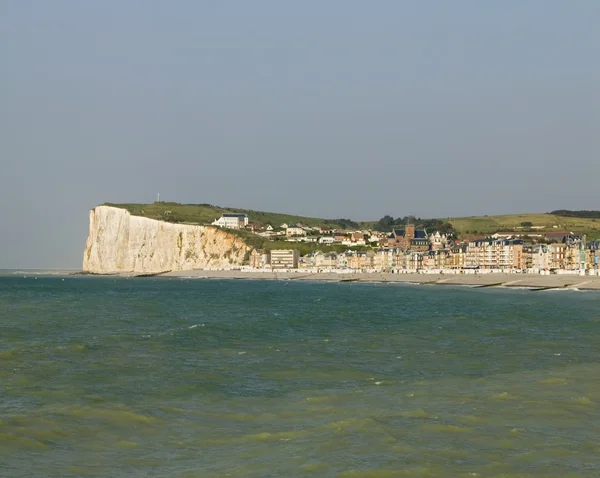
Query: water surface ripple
pixel 159 377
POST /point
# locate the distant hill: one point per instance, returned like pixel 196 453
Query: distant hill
pixel 582 213
pixel 206 213
pixel 534 223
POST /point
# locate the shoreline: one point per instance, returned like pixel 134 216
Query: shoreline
pixel 483 280
pixel 505 280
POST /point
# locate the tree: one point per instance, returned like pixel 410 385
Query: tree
pixel 385 224
pixel 446 228
pixel 526 224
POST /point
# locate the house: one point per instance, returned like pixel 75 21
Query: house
pixel 294 230
pixel 374 239
pixel 309 260
pixel 558 236
pixel 505 235
pixel 357 238
pixel 284 258
pixel 231 221
pixel 255 226
pixel 307 239
pixel 326 260
pixel 326 240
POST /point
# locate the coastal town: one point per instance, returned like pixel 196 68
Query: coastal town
pixel 410 248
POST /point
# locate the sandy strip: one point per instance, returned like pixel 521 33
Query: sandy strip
pixel 532 281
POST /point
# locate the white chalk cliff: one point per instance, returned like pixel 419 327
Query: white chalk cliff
pixel 121 243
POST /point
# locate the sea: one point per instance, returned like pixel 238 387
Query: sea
pixel 157 377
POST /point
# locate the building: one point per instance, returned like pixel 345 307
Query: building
pixel 260 259
pixel 293 230
pixel 232 221
pixel 438 241
pixel 558 254
pixel 419 241
pixel 327 240
pixel 540 257
pixel 458 258
pixel 384 260
pixel 509 254
pixel 284 258
pixel 361 260
pixel 403 238
pixel 326 260
pixel 594 254
pixel 357 239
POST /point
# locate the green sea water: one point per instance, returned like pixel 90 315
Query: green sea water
pixel 159 377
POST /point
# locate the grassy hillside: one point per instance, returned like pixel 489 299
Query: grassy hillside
pixel 480 225
pixel 541 223
pixel 206 213
pixel 304 248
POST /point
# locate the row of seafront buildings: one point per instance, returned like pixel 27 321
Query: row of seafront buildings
pixel 411 250
pixel 483 255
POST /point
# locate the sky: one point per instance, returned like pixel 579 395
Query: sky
pixel 337 108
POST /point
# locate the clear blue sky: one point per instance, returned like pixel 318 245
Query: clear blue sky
pixel 328 108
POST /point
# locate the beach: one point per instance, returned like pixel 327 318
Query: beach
pixel 532 281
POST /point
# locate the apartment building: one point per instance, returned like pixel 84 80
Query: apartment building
pixel 384 260
pixel 540 258
pixel 558 254
pixel 284 258
pixel 509 254
pixel 260 259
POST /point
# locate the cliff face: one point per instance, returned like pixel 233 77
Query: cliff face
pixel 120 242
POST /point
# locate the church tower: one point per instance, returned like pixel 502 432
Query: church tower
pixel 409 231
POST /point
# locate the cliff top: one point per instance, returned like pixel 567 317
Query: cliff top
pixel 206 213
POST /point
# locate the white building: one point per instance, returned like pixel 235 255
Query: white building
pixel 232 221
pixel 284 258
pixel 540 258
pixel 327 240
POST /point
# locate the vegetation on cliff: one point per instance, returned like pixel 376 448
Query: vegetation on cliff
pixel 206 213
pixel 259 242
pixel 561 220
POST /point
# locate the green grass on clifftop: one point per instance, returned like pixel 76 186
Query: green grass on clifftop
pixel 474 225
pixel 206 213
